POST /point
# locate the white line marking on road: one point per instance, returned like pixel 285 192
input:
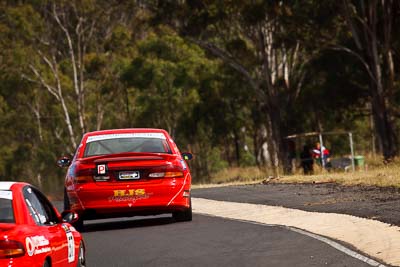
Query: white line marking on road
pixel 320 238
pixel 338 247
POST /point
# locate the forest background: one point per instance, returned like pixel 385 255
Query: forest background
pixel 229 80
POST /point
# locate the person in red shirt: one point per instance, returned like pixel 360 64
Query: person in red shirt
pixel 320 154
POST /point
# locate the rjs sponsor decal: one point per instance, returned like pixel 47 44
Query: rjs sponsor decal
pixel 129 195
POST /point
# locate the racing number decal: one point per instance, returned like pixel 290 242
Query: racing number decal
pixel 71 248
pixel 71 244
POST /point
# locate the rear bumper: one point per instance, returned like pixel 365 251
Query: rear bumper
pixel 104 213
pixel 94 200
pixel 20 262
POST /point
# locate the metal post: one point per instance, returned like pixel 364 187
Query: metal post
pixel 352 152
pixel 372 129
pixel 321 155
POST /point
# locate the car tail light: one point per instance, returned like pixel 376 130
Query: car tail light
pixel 84 176
pixel 166 172
pixel 83 179
pixel 186 193
pixel 173 174
pixel 11 249
pixel 156 174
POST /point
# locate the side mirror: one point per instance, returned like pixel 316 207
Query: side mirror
pixel 63 162
pixel 69 216
pixel 187 155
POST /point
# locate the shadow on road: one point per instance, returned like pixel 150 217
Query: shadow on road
pixel 95 226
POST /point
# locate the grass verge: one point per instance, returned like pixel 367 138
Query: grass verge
pixel 375 175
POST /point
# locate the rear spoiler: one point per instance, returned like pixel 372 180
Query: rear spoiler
pixel 131 156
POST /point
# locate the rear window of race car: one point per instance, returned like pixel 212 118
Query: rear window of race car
pixel 122 143
pixel 6 208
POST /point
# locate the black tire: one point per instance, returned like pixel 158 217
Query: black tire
pixel 81 256
pixel 183 216
pixel 46 263
pixel 67 205
pixel 79 225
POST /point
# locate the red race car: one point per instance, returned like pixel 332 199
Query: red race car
pixel 127 172
pixel 33 233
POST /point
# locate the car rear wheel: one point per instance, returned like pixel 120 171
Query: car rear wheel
pixel 183 216
pixel 79 225
pixel 67 205
pixel 81 256
pixel 46 263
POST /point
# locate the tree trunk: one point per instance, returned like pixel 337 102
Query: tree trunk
pixel 261 147
pixel 375 53
pixel 276 145
pixel 384 128
pixel 237 146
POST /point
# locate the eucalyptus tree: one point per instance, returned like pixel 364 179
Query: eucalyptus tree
pixel 261 41
pixel 70 35
pixel 372 26
pixel 60 61
pixel 167 71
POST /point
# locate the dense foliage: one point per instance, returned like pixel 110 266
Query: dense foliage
pixel 228 79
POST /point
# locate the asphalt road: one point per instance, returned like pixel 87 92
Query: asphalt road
pixel 206 241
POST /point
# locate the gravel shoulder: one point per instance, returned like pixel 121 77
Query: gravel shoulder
pixel 364 217
pixel 378 203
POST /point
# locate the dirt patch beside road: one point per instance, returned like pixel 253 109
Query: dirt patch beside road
pixel 378 203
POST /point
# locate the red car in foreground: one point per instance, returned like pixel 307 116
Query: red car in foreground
pixel 33 233
pixel 127 172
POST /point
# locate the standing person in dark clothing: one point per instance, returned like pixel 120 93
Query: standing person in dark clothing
pixel 307 160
